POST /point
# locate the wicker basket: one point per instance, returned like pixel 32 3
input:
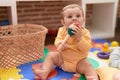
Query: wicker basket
pixel 21 44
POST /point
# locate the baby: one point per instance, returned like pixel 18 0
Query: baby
pixel 73 53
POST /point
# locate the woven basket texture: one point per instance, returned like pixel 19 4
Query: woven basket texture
pixel 21 43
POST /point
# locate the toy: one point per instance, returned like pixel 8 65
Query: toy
pixel 68 35
pixel 103 55
pixel 105 47
pixel 70 28
pixel 114 44
pixel 70 31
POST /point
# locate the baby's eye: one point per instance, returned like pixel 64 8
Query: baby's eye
pixel 78 16
pixel 69 16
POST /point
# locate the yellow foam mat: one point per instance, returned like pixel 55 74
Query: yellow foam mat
pixel 10 74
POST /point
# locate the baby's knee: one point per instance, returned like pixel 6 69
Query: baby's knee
pixel 52 54
pixel 87 64
pixel 84 66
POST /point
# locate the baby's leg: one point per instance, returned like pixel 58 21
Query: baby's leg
pixel 116 76
pixel 84 67
pixel 53 58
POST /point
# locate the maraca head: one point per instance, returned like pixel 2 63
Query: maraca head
pixel 70 30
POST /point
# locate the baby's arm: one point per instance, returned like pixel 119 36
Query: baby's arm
pixel 72 30
pixel 76 31
pixel 60 42
pixel 85 43
pixel 82 37
pixel 59 38
pixel 63 44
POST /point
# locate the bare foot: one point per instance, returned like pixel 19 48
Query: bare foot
pixel 41 73
pixel 77 75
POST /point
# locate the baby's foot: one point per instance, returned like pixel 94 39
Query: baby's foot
pixel 77 75
pixel 41 73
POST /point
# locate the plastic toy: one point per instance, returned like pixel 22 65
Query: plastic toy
pixel 70 29
pixel 105 47
pixel 114 44
pixel 103 55
pixel 69 34
pixel 105 52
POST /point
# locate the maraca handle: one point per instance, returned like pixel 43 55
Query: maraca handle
pixel 63 42
pixel 59 48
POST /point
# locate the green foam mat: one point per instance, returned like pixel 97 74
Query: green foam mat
pixel 45 54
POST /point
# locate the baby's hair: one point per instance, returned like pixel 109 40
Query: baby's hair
pixel 71 6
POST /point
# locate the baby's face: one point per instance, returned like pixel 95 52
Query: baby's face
pixel 72 15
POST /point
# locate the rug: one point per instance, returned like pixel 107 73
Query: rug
pixel 58 74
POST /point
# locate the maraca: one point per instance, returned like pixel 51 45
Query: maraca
pixel 70 33
pixel 70 30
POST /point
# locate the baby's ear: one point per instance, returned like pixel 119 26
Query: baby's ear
pixel 62 22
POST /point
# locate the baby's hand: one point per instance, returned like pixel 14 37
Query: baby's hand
pixel 62 46
pixel 76 30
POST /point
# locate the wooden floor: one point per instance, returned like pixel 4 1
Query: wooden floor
pixel 50 38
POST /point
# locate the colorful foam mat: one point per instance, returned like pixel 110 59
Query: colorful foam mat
pixel 24 72
pixel 10 74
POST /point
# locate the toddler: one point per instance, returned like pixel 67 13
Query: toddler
pixel 72 55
